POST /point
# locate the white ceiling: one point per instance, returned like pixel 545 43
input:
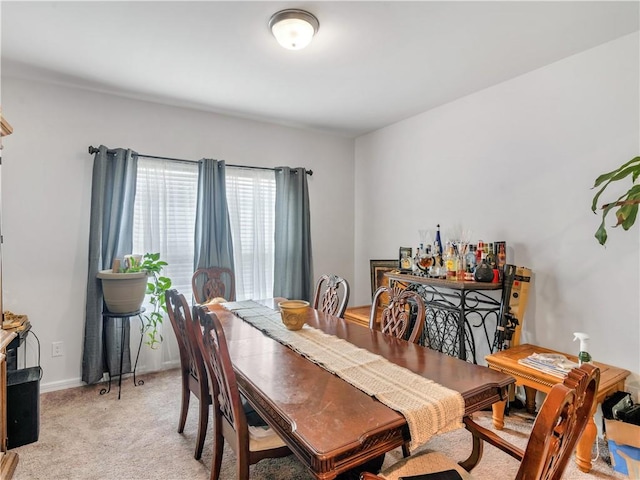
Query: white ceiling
pixel 370 65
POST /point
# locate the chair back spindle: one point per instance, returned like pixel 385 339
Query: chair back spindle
pixel 397 315
pixel 194 375
pixel 331 295
pixel 230 422
pixel 213 282
pixel 218 364
pixel 559 425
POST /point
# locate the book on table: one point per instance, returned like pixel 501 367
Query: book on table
pixel 554 364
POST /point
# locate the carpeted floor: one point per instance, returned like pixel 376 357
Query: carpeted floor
pixel 85 436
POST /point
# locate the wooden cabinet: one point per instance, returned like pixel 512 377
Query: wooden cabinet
pixel 8 460
pixel 5 129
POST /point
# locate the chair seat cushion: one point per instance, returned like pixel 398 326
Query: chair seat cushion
pixel 421 465
pixel 263 438
pixel 215 301
pixel 446 475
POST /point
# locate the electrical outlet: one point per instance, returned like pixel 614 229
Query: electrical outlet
pixel 56 349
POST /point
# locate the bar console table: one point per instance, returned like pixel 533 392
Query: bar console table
pixel 106 315
pixel 456 313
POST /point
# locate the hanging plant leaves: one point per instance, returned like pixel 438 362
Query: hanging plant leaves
pixel 627 204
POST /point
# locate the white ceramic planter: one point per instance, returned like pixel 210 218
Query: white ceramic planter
pixel 123 292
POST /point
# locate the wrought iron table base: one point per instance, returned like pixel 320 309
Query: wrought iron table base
pixel 122 317
pixel 455 313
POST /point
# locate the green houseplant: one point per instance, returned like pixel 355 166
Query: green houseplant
pixel 156 289
pixel 626 205
pixel 124 291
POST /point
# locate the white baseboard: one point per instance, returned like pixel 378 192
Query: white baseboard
pixel 77 382
pixel 60 385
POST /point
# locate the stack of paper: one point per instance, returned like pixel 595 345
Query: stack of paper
pixel 552 363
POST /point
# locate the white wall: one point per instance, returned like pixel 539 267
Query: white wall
pixel 46 183
pixel 516 162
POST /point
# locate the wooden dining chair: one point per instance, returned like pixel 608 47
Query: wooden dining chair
pixel 331 295
pixel 250 444
pixel 556 430
pixel 194 375
pixel 213 282
pixel 396 315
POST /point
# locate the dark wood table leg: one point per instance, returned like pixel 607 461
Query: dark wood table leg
pixel 476 454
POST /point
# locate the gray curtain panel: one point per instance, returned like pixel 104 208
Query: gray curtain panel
pixel 113 192
pixel 293 272
pixel 213 245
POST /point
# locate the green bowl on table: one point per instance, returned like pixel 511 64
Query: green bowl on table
pixel 294 313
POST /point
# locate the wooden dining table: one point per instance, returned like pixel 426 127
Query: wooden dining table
pixel 330 425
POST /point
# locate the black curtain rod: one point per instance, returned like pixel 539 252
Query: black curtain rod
pixel 93 150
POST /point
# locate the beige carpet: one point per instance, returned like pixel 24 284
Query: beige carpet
pixel 84 435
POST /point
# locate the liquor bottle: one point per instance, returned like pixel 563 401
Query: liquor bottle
pixel 405 261
pixel 450 262
pixel 426 260
pixel 461 268
pixel 491 257
pixel 502 254
pixel 416 260
pixel 438 252
pixel 470 263
pixel 483 272
pixel 479 252
pixel 471 259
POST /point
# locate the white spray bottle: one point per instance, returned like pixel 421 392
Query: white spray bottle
pixel 583 355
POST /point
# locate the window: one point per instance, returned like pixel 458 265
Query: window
pixel 164 221
pixel 251 195
pixel 164 216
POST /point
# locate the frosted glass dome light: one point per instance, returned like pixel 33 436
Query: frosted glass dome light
pixel 294 29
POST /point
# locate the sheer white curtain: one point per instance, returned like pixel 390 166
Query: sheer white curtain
pixel 251 197
pixel 164 221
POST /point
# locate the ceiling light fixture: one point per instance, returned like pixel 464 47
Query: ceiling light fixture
pixel 294 29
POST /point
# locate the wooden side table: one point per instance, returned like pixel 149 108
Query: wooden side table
pixel 506 361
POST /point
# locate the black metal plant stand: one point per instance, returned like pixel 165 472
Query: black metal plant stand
pixel 106 315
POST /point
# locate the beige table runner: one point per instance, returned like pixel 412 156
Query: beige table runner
pixel 428 407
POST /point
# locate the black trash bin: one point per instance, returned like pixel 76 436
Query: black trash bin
pixel 23 406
